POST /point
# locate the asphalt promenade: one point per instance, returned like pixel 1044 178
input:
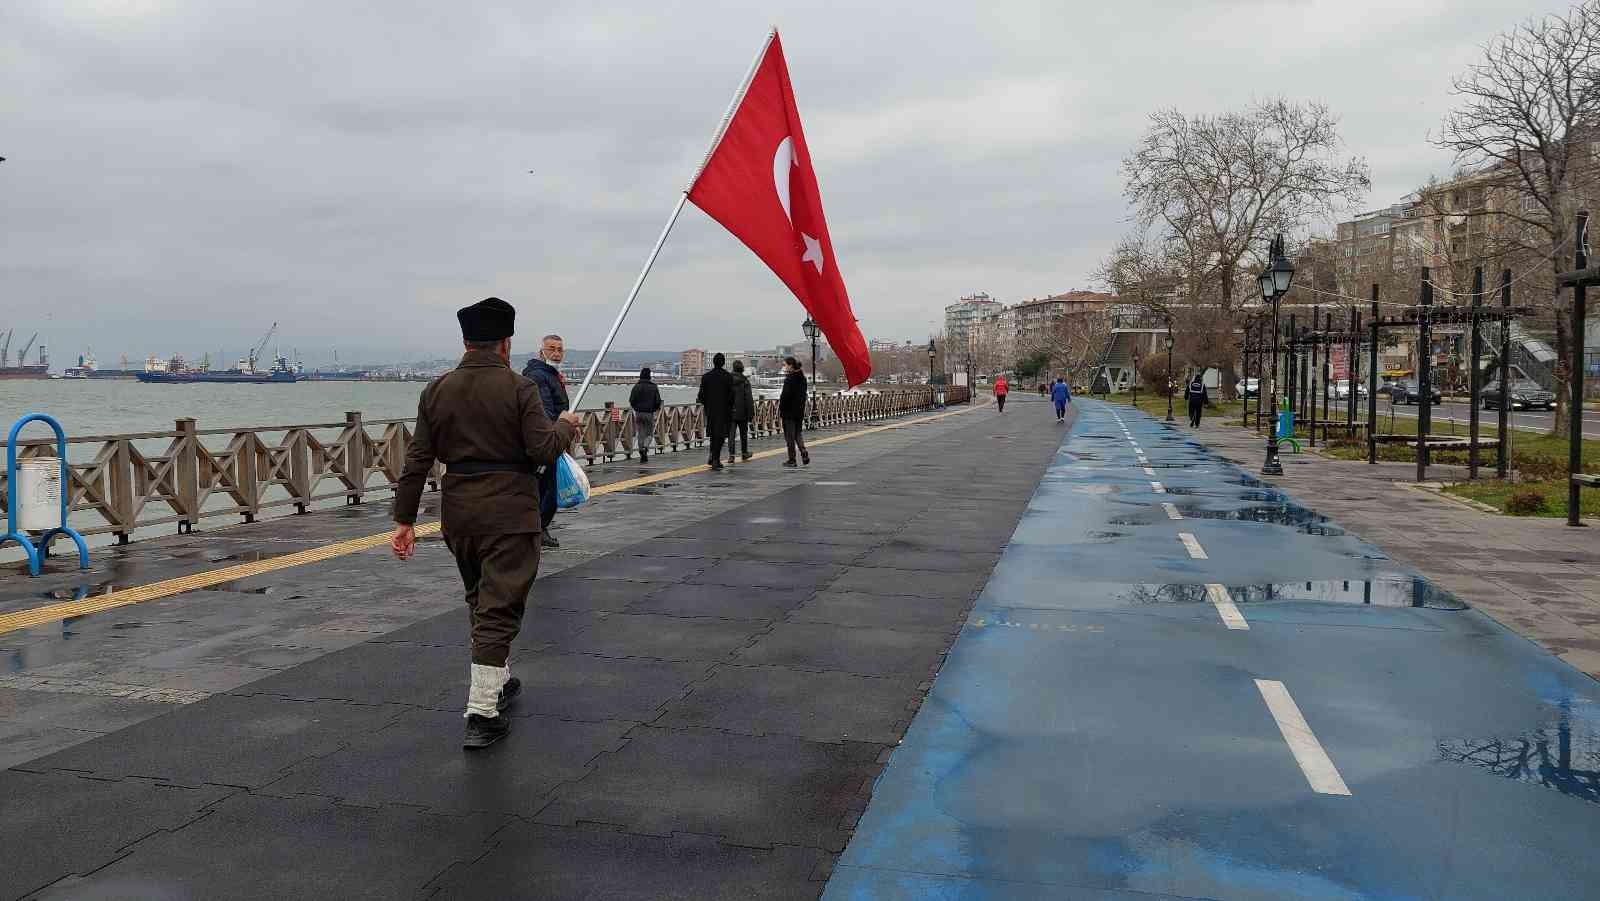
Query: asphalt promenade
pixel 1180 682
pixel 714 677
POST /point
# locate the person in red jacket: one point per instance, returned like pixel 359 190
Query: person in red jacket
pixel 1001 389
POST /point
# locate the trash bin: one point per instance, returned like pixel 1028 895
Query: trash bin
pixel 38 494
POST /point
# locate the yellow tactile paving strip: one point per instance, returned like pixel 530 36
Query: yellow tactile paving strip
pixel 38 616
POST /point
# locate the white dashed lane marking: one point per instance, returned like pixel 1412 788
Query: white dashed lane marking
pixel 1158 488
pixel 1308 752
pixel 1192 545
pixel 1172 510
pixel 1148 471
pixel 1231 617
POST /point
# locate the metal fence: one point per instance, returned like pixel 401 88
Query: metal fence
pixel 119 483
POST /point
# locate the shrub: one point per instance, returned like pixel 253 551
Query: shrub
pixel 1525 502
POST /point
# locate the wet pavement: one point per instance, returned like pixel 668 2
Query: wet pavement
pixel 1180 682
pixel 705 707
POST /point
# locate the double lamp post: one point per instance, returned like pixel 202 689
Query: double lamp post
pixel 812 331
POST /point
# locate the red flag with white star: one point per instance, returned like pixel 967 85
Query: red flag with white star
pixel 758 182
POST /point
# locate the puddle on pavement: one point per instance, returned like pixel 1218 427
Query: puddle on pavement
pixel 1396 592
pixel 643 489
pixel 1293 515
pixel 78 592
pixel 1564 755
pixel 234 587
pixel 248 556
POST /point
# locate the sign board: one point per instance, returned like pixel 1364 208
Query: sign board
pixel 1339 357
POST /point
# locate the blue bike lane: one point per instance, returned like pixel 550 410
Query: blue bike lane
pixel 1179 682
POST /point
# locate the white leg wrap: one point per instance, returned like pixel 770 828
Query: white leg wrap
pixel 483 697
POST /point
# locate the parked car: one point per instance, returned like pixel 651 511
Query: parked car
pixel 1406 391
pixel 1341 389
pixel 1526 394
pixel 1248 387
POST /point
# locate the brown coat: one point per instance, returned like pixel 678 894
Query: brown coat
pixel 481 412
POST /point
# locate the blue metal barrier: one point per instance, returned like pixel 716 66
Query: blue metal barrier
pixel 37 552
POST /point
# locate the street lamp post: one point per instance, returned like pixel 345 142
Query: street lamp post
pixel 1169 370
pixel 812 331
pixel 1274 282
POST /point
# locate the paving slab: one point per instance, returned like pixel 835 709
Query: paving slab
pixel 554 862
pixel 404 764
pixel 277 848
pixel 659 637
pixel 774 700
pixel 847 649
pixel 65 824
pixel 757 791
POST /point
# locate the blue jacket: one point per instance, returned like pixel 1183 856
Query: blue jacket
pixel 1060 393
pixel 551 389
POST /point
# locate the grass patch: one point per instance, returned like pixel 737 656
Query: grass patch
pixel 1553 492
pixel 1156 405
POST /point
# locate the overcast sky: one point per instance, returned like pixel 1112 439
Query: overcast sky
pixel 181 173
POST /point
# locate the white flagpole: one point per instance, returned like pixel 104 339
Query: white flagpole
pixel 677 208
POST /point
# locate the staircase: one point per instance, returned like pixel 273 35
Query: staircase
pixel 1531 356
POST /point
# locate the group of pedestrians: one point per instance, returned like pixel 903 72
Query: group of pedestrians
pixel 729 402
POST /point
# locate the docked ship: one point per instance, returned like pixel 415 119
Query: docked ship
pixel 85 368
pixel 176 371
pixel 23 369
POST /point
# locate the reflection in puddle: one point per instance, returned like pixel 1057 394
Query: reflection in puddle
pixel 1282 514
pixel 233 586
pixel 1564 756
pixel 1396 592
pixel 248 556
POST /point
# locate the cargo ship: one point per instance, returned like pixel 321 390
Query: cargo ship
pixel 23 369
pixel 176 372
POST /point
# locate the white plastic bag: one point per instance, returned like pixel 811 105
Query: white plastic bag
pixel 572 483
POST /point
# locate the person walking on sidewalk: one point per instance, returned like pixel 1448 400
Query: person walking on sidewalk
pixel 792 410
pixel 716 397
pixel 1001 389
pixel 488 426
pixel 744 407
pixel 1195 394
pixel 542 371
pixel 645 402
pixel 1062 395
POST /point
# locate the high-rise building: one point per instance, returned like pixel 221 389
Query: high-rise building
pixel 963 316
pixel 691 363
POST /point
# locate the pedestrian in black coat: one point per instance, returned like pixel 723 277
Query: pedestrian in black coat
pixel 744 409
pixel 645 402
pixel 792 410
pixel 1195 394
pixel 716 397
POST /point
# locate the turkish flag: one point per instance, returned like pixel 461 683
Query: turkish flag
pixel 758 182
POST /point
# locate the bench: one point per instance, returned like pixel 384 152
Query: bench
pixel 1586 480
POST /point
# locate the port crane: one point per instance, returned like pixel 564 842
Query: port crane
pixel 256 354
pixel 5 350
pixel 22 355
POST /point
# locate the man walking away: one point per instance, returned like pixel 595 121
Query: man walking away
pixel 1001 389
pixel 744 408
pixel 1062 395
pixel 645 402
pixel 488 426
pixel 542 370
pixel 716 396
pixel 792 410
pixel 1195 393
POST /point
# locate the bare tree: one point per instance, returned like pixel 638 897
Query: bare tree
pixel 1528 117
pixel 1215 188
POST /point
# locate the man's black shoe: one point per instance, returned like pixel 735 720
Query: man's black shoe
pixel 483 731
pixel 548 540
pixel 508 693
pixel 789 463
pixel 716 465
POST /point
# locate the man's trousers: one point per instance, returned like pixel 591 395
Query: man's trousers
pixel 497 571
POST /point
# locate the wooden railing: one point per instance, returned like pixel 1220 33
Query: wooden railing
pixel 188 474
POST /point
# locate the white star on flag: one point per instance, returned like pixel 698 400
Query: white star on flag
pixel 813 252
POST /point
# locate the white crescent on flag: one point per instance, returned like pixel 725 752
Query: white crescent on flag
pixel 782 160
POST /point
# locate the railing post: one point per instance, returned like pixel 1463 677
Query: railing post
pixel 246 463
pixel 186 475
pixel 300 470
pixel 119 488
pixel 355 455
